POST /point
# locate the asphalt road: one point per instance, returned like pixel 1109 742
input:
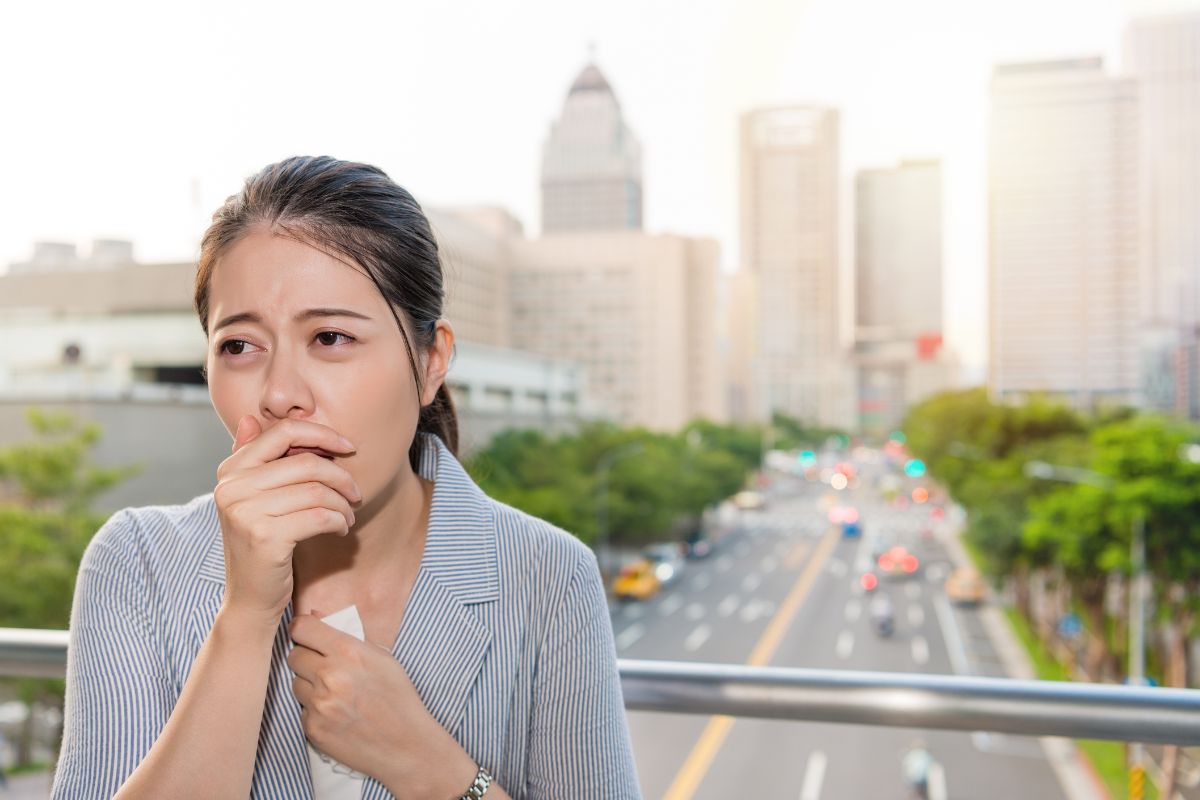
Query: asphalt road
pixel 719 611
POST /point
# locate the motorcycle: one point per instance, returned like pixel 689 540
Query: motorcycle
pixel 883 617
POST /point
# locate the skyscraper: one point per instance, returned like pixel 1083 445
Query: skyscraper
pixel 898 291
pixel 789 225
pixel 591 163
pixel 1063 164
pixel 1163 55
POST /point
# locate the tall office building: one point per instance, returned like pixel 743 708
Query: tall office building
pixel 1163 55
pixel 789 240
pixel 638 311
pixel 591 163
pixel 898 291
pixel 1063 174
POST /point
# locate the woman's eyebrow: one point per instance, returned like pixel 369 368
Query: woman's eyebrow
pixel 250 316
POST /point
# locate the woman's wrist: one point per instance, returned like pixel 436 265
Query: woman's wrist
pixel 446 774
pixel 246 625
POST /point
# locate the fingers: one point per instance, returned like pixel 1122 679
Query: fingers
pixel 307 467
pixel 247 429
pixel 315 636
pixel 254 447
pixel 304 662
pixel 301 497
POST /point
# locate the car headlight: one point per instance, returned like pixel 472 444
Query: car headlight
pixel 664 572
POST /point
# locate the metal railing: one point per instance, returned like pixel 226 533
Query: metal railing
pixel 910 700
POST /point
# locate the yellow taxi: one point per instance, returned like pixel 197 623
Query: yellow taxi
pixel 636 581
pixel 965 587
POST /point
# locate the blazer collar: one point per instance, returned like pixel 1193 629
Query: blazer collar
pixel 460 548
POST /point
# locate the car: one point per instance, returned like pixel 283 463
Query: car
pixel 636 581
pixel 868 581
pixel 965 587
pixel 667 561
pixel 897 562
pixel 750 500
pixel 851 529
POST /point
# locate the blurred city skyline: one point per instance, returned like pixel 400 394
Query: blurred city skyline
pixel 140 119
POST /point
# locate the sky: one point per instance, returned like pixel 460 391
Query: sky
pixel 135 120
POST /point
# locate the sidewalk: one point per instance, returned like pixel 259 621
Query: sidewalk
pixel 1075 773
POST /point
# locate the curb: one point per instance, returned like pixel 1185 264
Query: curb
pixel 1076 775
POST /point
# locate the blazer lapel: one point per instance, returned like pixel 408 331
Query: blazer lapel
pixel 443 643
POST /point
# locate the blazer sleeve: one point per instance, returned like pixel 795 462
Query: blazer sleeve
pixel 118 696
pixel 579 744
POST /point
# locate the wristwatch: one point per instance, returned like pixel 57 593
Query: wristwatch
pixel 479 786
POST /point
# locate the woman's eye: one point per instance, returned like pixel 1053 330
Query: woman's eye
pixel 333 333
pixel 327 338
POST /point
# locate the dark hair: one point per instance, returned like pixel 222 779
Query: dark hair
pixel 358 212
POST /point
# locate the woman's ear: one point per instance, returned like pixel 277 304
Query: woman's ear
pixel 441 352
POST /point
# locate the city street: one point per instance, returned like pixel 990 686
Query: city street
pixel 722 609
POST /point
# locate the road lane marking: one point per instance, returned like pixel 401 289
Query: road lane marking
pixel 630 635
pixel 954 643
pixel 913 590
pixel 845 644
pixel 751 582
pixel 814 775
pixel 696 765
pixel 768 564
pixel 702 581
pixel 670 605
pixel 695 611
pixel 798 554
pixel 837 567
pixel 937 782
pixel 727 606
pixel 753 610
pixel 920 650
pixel 697 637
pixel 853 609
pixel 916 616
pixel 724 563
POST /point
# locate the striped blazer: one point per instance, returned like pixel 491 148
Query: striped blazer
pixel 506 637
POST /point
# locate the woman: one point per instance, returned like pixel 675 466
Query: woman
pixel 198 664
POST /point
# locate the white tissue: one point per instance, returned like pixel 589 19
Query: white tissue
pixel 333 780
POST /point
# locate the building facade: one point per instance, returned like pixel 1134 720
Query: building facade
pixel 1063 274
pixel 1162 54
pixel 789 241
pixel 591 163
pixel 898 292
pixel 638 311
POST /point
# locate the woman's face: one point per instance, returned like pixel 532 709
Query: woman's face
pixel 351 373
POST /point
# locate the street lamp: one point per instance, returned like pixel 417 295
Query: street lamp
pixel 602 468
pixel 1137 595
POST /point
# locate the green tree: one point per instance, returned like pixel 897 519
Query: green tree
pixel 47 486
pixel 655 493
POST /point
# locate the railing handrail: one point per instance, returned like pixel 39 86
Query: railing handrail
pixel 904 699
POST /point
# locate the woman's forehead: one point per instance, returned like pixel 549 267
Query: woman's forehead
pixel 281 274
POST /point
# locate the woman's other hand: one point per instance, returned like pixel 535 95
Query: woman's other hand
pixel 360 708
pixel 268 503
